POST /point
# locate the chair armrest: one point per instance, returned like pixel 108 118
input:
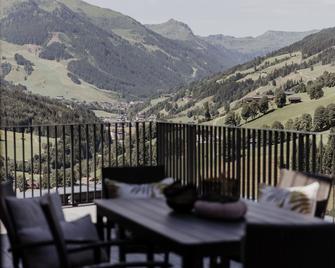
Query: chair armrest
pixel 31 245
pixel 98 244
pixel 133 264
pixel 87 242
pixel 79 241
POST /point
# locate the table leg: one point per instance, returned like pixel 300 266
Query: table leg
pixel 224 262
pixel 191 261
pixel 219 262
pixel 100 225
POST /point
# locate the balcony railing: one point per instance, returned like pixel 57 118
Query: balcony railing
pixel 69 158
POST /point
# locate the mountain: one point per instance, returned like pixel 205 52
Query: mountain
pixel 105 48
pixel 76 47
pixel 173 29
pixel 234 50
pixel 183 34
pixel 260 45
pixel 304 70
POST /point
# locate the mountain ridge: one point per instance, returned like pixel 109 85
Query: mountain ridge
pixel 173 29
pixel 135 69
pixel 112 51
pixel 259 45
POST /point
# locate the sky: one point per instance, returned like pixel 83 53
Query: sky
pixel 230 17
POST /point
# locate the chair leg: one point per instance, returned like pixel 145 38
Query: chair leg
pixel 150 256
pixel 213 262
pixel 122 255
pixel 16 261
pixel 166 260
pixel 109 238
pixel 219 262
pixel 224 262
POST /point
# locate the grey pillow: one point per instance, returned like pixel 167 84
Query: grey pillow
pixel 82 229
pixel 26 213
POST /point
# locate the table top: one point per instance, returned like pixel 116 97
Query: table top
pixel 154 216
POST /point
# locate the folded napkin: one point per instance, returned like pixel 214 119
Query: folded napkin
pixel 216 210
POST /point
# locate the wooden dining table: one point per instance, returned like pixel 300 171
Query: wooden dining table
pixel 188 235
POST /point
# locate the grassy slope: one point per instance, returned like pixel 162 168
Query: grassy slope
pixel 49 78
pixel 290 111
pixel 104 114
pixel 293 110
pixel 154 102
pixel 18 138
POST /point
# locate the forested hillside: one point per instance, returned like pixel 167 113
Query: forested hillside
pixel 295 84
pixel 20 108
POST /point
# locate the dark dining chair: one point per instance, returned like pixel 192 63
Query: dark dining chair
pixel 289 246
pixel 6 190
pixel 28 231
pixel 291 178
pixel 64 251
pixel 133 175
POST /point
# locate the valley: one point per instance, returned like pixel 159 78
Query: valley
pixel 211 100
pixel 122 70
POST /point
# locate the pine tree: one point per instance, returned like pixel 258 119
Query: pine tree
pixel 232 119
pixel 280 98
pixel 246 111
pixel 321 120
pixel 264 105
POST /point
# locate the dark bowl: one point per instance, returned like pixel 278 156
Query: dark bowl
pixel 180 207
pixel 180 198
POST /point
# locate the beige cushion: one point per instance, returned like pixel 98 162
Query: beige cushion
pixel 291 178
pixel 299 199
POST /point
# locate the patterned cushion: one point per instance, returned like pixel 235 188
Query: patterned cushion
pixel 298 199
pixel 291 178
pixel 148 190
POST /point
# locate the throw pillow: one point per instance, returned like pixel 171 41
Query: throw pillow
pixel 298 199
pixel 147 190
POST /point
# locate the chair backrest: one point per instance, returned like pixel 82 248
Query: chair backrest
pixel 6 190
pixel 289 246
pixel 30 225
pixel 132 175
pixel 291 178
pixel 57 233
